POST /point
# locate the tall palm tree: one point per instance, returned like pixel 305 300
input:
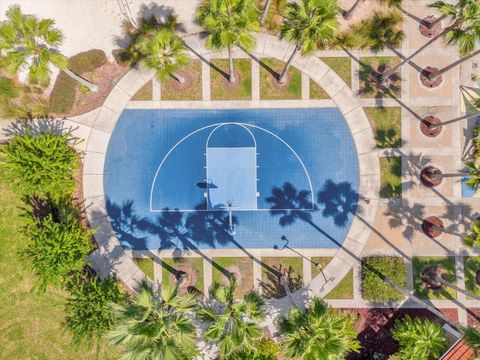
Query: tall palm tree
pixel 472 337
pixel 465 31
pixel 154 324
pixel 318 332
pixel 161 50
pixel 419 339
pixel 309 25
pixel 473 175
pixel 265 11
pixel 229 23
pixel 29 43
pixel 232 325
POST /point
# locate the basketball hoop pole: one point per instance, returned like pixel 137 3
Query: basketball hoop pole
pixel 231 227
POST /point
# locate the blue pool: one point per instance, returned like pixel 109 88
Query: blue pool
pixel 231 178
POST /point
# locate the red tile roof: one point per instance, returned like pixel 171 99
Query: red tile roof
pixel 461 351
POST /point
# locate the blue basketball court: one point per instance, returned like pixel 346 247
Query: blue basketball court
pixel 231 178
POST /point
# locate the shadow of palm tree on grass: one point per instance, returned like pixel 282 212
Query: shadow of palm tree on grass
pixel 272 288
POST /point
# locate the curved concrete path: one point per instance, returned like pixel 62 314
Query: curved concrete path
pixel 110 256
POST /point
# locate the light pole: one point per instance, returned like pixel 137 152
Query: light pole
pixel 317 265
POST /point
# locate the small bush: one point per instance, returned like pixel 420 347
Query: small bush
pixel 87 306
pixel 122 57
pixel 265 349
pixel 62 97
pixel 58 245
pixel 42 165
pixel 374 288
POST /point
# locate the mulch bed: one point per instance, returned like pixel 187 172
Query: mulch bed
pixel 373 327
pixel 426 81
pixel 189 78
pixel 425 126
pixel 428 30
pixel 473 317
pixel 106 77
pixel 428 275
pixel 426 176
pixel 432 226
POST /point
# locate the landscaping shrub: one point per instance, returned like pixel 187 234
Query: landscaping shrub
pixel 42 165
pixel 88 306
pixel 62 97
pixel 419 339
pixel 58 245
pixel 264 349
pixel 374 288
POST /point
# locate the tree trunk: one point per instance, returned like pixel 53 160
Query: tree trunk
pixel 441 176
pixel 92 87
pixel 265 11
pixel 434 126
pixel 347 15
pixel 432 76
pixel 456 288
pixel 231 73
pixel 423 304
pixel 392 71
pixel 178 77
pixel 287 65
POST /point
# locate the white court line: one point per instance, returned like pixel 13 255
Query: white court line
pixel 240 124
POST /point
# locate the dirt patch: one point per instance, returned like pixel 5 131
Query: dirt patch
pixel 433 83
pixel 186 276
pixel 106 77
pixel 374 325
pixel 427 178
pixel 189 78
pixel 427 129
pixel 432 226
pixel 430 275
pixel 364 10
pixel 275 84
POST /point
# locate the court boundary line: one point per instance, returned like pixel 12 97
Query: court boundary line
pixel 152 210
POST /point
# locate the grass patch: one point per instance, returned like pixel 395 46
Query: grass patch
pixel 391 177
pixel 386 123
pixel 290 267
pixel 242 268
pixel 373 287
pixel 222 89
pixel 193 267
pixel 344 289
pixel 31 323
pixel 472 265
pixel 419 263
pixel 172 92
pixel 62 97
pixel 317 92
pixel 342 66
pixel 269 88
pixel 145 93
pixel 146 265
pixel 370 65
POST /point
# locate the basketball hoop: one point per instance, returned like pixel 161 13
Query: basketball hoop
pixel 232 229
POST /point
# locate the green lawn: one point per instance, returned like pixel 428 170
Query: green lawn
pixel 290 267
pixel 371 64
pixel 144 93
pixel 171 91
pixel 270 89
pixel 30 323
pixel 472 265
pixel 192 266
pixel 344 290
pixel 386 123
pixel 221 88
pixel 419 263
pixel 146 265
pixel 241 267
pixel 374 288
pixel 391 177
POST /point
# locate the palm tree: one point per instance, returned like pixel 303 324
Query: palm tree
pixel 465 31
pixel 154 324
pixel 472 337
pixel 309 25
pixel 232 325
pixel 31 43
pixel 318 332
pixel 347 15
pixel 161 50
pixel 229 23
pixel 265 11
pixel 473 239
pixel 419 339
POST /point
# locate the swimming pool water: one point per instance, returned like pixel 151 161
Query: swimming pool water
pixel 304 161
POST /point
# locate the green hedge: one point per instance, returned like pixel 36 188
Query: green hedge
pixel 63 93
pixel 374 288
